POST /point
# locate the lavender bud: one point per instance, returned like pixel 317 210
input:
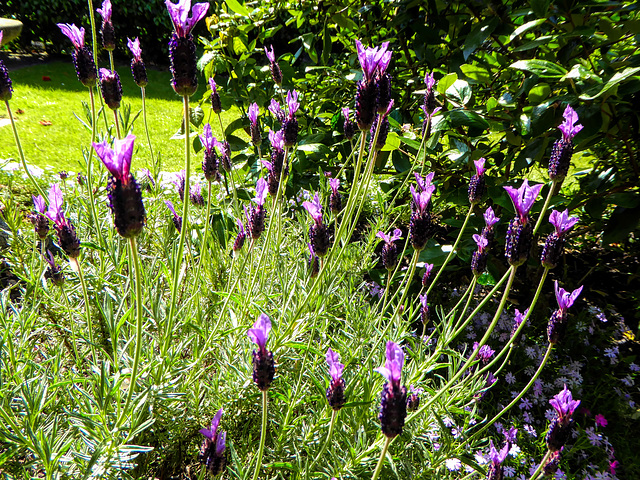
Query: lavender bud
pixel 40 225
pixel 349 129
pixel 365 104
pixel 55 274
pixel 276 73
pixel 255 223
pixel 556 327
pixel 476 189
pixel 558 434
pixel 413 402
pixel 239 242
pixel 225 162
pixel 182 55
pixel 393 408
pixel 216 104
pixel 125 202
pixel 518 241
pixel 419 229
pixel 111 88
pixel 390 255
pixel 264 368
pixel 139 72
pixel 560 159
pixel 479 262
pixel 335 202
pixel 85 66
pixel 319 239
pixel 382 134
pixel 552 250
pixel 81 179
pixel 210 165
pixel 108 34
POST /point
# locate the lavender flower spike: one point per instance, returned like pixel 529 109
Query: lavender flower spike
pixel 6 87
pixel 176 219
pixel 239 241
pixel 562 222
pixel 393 404
pixel 566 299
pixel 554 244
pixel 562 149
pixel 314 209
pixel 107 31
pixel 569 128
pixel 318 234
pixel 335 392
pixel 134 47
pixel 373 60
pixel 397 235
pixel 38 218
pixel 213 446
pixel 263 364
pixel 390 250
pixel 138 70
pixel 495 471
pixel 82 57
pixel 564 404
pixel 252 113
pixel 179 14
pixel 64 228
pixel 560 427
pixel 276 110
pixel 558 320
pixel 73 33
pixel 523 198
pixel 290 123
pixel 424 309
pixel 111 88
pixel 261 192
pixel 276 73
pixel 490 218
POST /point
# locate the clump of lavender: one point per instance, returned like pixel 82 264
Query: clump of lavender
pixel 210 163
pixel 318 233
pixel 520 231
pixel 413 399
pixel 54 271
pixel 558 321
pixel 349 128
pixel 107 31
pixel 476 184
pixel 176 219
pixel 216 104
pixel 479 258
pixel 485 353
pixel 65 230
pixel 195 195
pixel 421 222
pixel 6 87
pixel 383 132
pixel 182 49
pixel 374 63
pixel 563 148
pixel 290 123
pixel 335 392
pixel 213 446
pixel 393 399
pixel 335 199
pixel 239 241
pixel 38 219
pixel 497 457
pixel 276 73
pixel 256 215
pixel 264 367
pixel 554 245
pixel 560 427
pixel 254 129
pixel 429 104
pixel 179 180
pixel 111 88
pixel 123 192
pixel 390 249
pixel 82 56
pixel 424 310
pixel 273 179
pixel 138 70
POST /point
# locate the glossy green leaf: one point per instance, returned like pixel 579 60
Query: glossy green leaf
pixel 476 73
pixel 460 91
pixel 445 82
pixel 237 7
pixel 479 33
pixel 542 68
pixel 613 81
pixel 540 7
pixel 525 28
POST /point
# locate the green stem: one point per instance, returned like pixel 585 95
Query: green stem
pixel 93 32
pixel 177 263
pixel 146 126
pixel 544 207
pixel 383 454
pixel 92 203
pixel 469 292
pixel 263 435
pixel 76 265
pixel 204 250
pixel 138 345
pixel 111 61
pixel 453 249
pixel 21 152
pixel 541 466
pixel 117 122
pixel 334 415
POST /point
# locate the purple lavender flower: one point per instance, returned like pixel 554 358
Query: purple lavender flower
pixel 239 241
pixel 263 365
pixel 276 110
pixel 179 180
pixel 54 271
pixel 290 123
pixel 314 262
pixel 496 457
pixel 318 233
pixel 373 60
pixel 6 87
pixel 82 56
pixel 557 322
pixel 427 273
pixel 111 88
pixel 421 222
pixel 555 242
pixel 335 392
pixel 429 104
pixel 276 73
pixel 562 150
pixel 390 249
pixel 107 31
pixel 210 163
pixel 520 231
pixel 277 153
pixel 138 70
pixel 256 215
pixel 560 427
pixel 182 49
pixel 64 228
pixel 216 103
pixel 123 192
pixel 213 446
pixel 485 353
pixel 252 113
pixel 349 128
pixel 383 131
pixel 479 257
pixel 517 321
pixel 195 195
pixel 38 218
pixel 374 63
pixel 477 184
pixel 393 404
pixel 176 219
pixel 553 462
pixel 413 398
pixel 335 200
pixel 424 309
pixel 225 161
pixel 490 220
pixel 273 180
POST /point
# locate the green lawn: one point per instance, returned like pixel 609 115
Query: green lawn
pixel 59 145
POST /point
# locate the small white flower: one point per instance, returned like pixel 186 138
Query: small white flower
pixel 453 464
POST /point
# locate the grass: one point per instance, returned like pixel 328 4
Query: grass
pixel 59 146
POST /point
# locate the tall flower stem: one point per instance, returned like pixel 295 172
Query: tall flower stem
pixel 544 207
pixel 117 122
pixel 334 415
pixel 541 466
pixel 383 454
pixel 92 203
pixel 469 292
pixel 93 32
pixel 21 152
pixel 204 250
pixel 177 261
pixel 453 249
pixel 75 265
pixel 146 126
pixel 71 325
pixel 138 345
pixel 111 61
pixel 263 435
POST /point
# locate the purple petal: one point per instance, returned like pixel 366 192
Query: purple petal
pixel 179 13
pixel 271 56
pixel 345 113
pixel 260 331
pixel 106 11
pixel 481 241
pixel 268 165
pixel 253 113
pixel 212 85
pixel 170 207
pixel 429 81
pixel 55 212
pixel 397 235
pixel 423 300
pixel 569 128
pixel 221 443
pixel 39 204
pixel 75 34
pixel 490 217
pixel 207 139
pixel 480 166
pixel 108 157
pixel 134 46
pixel 124 151
pixel 562 222
pixel 334 183
pixel 276 139
pixel 314 208
pixel 215 422
pixel 383 236
pixel 335 367
pixel 198 12
pixel 292 102
pixel 261 192
pixel 392 369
